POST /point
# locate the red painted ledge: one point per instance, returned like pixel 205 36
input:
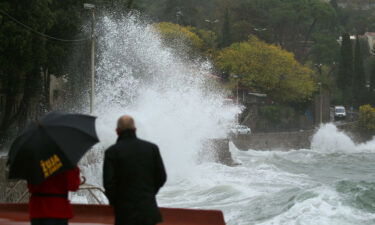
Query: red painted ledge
pixel 17 214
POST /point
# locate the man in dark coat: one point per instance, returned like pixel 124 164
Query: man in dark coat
pixel 133 173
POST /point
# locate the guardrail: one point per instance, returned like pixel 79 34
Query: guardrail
pixel 88 187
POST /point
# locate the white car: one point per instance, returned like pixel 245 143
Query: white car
pixel 340 112
pixel 240 129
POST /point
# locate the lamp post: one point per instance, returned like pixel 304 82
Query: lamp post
pixel 319 67
pixel 236 77
pixel 91 7
pixel 320 103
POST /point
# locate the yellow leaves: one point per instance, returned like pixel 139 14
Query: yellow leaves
pixel 174 34
pixel 367 118
pixel 267 68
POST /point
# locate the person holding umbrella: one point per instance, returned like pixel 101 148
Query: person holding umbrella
pixel 46 154
pixel 49 203
pixel 133 173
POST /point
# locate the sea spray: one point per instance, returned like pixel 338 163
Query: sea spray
pixel 175 101
pixel 328 139
pixel 320 185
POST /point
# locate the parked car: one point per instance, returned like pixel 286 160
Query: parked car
pixel 340 112
pixel 240 129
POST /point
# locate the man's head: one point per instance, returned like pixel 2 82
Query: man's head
pixel 125 122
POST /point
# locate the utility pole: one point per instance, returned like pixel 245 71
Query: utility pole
pixel 320 104
pixel 91 7
pixel 319 67
pixel 237 78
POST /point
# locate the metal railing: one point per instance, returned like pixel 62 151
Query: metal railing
pixel 90 189
pixel 12 190
pixel 84 187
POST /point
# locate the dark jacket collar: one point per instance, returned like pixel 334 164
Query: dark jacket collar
pixel 127 134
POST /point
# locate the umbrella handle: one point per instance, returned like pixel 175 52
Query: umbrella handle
pixel 83 180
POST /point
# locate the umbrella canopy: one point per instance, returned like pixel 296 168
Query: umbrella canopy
pixel 51 145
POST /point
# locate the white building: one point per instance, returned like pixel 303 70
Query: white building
pixel 371 41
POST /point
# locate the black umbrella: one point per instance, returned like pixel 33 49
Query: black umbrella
pixel 51 145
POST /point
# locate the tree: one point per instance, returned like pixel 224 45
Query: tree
pixel 367 118
pixel 288 23
pixel 345 72
pixel 27 49
pixel 209 39
pixel 334 4
pixel 325 49
pixel 267 69
pixel 21 54
pixel 176 35
pixel 359 79
pixel 225 32
pixel 372 83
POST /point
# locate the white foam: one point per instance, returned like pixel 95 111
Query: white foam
pixel 329 139
pixel 325 208
pixel 173 101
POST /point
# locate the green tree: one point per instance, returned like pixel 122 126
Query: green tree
pixel 372 83
pixel 21 54
pixel 325 49
pixel 288 23
pixel 334 4
pixel 226 39
pixel 345 72
pixel 27 31
pixel 209 39
pixel 359 79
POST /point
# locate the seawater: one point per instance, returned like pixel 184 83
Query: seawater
pixel 327 184
pixel 177 106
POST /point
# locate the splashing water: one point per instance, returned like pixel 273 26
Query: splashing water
pixel 175 106
pixel 329 139
pixel 174 102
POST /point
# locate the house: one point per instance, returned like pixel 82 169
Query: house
pixel 371 41
pixel 356 4
pixel 368 36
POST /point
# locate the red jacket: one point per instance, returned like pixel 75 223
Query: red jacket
pixel 52 206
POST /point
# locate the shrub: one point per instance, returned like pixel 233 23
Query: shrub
pixel 275 113
pixel 367 118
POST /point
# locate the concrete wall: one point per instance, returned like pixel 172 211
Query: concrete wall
pixel 293 140
pixel 276 141
pixel 216 150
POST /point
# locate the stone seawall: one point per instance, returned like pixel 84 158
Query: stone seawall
pixel 11 190
pixel 274 141
pixel 293 140
pixel 216 150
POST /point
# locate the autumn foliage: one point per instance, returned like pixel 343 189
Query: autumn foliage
pixel 175 35
pixel 268 69
pixel 367 118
